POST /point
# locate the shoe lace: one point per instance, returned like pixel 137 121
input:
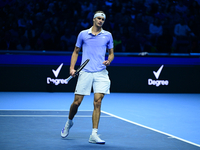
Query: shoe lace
pixel 97 136
pixel 67 126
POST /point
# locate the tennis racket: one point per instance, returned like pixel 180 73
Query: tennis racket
pixel 77 71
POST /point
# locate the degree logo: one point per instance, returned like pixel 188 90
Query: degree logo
pixel 157 82
pixel 56 73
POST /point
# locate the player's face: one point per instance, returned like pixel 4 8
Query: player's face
pixel 99 21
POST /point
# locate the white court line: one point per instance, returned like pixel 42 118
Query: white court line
pixel 45 115
pixel 77 116
pixel 170 136
pixel 43 110
pixel 38 110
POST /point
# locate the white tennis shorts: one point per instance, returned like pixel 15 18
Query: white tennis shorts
pixel 98 80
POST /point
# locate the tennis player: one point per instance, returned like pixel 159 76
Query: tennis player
pixel 94 43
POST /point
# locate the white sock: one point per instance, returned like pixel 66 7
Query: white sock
pixel 94 131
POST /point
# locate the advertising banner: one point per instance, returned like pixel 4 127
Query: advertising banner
pixel 127 74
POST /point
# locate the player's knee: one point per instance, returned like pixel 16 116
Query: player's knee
pixel 77 103
pixel 97 102
pixel 78 100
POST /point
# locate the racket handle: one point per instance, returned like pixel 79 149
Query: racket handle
pixel 69 78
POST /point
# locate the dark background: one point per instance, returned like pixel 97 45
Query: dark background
pixel 136 25
pixel 130 76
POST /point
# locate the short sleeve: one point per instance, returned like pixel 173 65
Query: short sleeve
pixel 79 40
pixel 110 42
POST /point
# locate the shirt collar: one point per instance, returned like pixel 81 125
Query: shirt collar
pixel 90 31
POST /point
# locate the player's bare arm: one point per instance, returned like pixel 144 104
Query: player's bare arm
pixel 73 60
pixel 110 57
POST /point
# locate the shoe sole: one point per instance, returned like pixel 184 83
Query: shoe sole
pixel 94 142
pixel 64 136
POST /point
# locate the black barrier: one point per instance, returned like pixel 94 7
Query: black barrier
pixel 35 78
pixel 133 74
pixel 143 80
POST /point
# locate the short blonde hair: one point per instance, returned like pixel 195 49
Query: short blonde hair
pixel 99 11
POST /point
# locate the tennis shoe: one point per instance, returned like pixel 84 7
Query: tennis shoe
pixel 94 138
pixel 65 130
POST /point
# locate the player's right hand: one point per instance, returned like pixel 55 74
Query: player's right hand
pixel 72 72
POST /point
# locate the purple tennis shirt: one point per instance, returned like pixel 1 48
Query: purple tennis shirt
pixel 94 48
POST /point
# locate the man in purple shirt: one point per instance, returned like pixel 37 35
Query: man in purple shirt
pixel 94 43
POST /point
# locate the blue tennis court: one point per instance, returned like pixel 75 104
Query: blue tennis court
pixel 33 120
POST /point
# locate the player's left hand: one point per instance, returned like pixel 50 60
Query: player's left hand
pixel 106 63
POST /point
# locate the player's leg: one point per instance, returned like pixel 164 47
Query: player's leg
pixel 94 138
pixel 101 87
pixel 73 110
pixel 83 87
pixel 74 106
pixel 98 97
